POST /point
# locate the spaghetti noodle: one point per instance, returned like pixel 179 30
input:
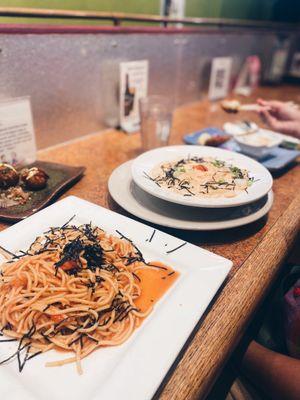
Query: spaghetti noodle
pixel 74 290
pixel 201 177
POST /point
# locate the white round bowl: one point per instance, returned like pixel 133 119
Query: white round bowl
pixel 147 161
pixel 258 144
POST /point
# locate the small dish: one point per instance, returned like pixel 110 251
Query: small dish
pixel 240 128
pixel 278 159
pixel 258 144
pixel 60 178
pixel 207 137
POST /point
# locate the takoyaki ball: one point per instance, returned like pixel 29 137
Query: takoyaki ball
pixel 8 176
pixel 231 106
pixel 34 178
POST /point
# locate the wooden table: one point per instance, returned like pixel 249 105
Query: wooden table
pixel 257 250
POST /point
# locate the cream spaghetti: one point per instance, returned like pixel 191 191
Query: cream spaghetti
pixel 76 289
pixel 201 177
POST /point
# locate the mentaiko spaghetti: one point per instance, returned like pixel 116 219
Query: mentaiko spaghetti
pixel 76 289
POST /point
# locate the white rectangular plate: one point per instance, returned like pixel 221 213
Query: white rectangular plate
pixel 135 369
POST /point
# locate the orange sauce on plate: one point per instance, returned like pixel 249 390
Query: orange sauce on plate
pixel 154 283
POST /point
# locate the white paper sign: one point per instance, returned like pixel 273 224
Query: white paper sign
pixel 133 86
pixel 278 64
pixel 219 78
pixel 173 9
pixel 248 78
pixel 17 139
pixel 295 66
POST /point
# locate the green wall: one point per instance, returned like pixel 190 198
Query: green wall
pixel 129 6
pixel 134 6
pixel 270 10
pixel 281 10
pixel 203 8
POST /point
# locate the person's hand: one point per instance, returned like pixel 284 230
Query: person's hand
pixel 281 117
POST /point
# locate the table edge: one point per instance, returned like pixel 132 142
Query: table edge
pixel 195 374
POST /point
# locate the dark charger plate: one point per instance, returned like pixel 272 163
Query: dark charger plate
pixel 61 177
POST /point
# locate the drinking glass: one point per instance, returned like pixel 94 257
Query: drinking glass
pixel 156 121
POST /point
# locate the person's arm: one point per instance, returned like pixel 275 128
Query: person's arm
pixel 276 374
pixel 281 117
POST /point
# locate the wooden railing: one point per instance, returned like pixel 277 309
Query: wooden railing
pixel 118 18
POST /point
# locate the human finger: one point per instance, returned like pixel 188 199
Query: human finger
pixel 261 102
pixel 270 120
pixel 275 105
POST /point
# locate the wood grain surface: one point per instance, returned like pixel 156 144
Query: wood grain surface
pixel 257 250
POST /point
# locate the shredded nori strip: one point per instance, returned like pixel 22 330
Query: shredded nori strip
pixel 67 223
pixel 157 266
pixel 139 253
pixel 152 236
pixel 136 276
pixel 9 252
pixel 21 347
pixel 93 253
pixel 151 179
pixel 14 354
pixel 176 248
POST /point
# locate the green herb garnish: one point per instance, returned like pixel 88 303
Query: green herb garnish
pixel 237 172
pixel 218 163
pixel 250 181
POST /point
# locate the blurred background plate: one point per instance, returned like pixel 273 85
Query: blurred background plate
pixel 276 160
pixel 200 137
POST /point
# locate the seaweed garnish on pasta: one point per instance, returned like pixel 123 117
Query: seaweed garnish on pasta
pixel 76 289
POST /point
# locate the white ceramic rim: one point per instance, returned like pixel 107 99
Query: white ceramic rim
pixel 110 371
pixel 146 161
pixel 277 139
pixel 119 188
